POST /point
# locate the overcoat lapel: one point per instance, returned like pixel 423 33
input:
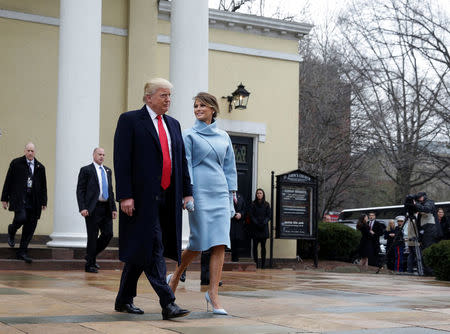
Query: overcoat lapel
pixel 148 123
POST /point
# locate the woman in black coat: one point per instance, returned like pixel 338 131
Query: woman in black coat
pixel 366 244
pixel 389 236
pixel 259 228
pixel 444 223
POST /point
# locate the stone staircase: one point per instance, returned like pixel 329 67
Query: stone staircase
pixel 52 258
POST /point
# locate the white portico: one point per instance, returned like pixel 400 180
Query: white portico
pixel 79 95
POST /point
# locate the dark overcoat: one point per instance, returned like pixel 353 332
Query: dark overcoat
pixel 138 165
pixel 15 186
pixel 88 189
pixel 259 220
pixel 237 230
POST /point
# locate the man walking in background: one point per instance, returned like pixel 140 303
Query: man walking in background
pixel 96 203
pixel 25 193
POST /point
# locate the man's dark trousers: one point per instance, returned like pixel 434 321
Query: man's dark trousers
pixel 99 219
pixel 28 219
pixel 155 271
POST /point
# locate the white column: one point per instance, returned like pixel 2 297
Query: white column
pixel 188 63
pixel 78 117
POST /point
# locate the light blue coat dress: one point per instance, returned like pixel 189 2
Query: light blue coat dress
pixel 212 167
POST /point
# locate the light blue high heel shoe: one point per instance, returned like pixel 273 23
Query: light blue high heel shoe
pixel 220 311
pixel 168 278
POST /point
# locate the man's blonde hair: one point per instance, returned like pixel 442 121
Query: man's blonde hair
pixel 154 84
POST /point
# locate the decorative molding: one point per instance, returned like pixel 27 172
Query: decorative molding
pixel 246 128
pixel 260 25
pixel 53 21
pixel 164 39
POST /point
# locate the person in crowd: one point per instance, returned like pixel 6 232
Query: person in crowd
pixel 96 203
pixel 399 244
pixel 152 183
pixel 429 228
pixel 237 233
pixel 444 223
pixel 365 243
pixel 376 230
pixel 411 242
pixel 260 216
pixel 212 167
pixel 25 193
pixel 389 236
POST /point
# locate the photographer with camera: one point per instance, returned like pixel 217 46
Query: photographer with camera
pixel 429 228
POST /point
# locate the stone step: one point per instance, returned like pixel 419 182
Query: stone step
pixel 49 258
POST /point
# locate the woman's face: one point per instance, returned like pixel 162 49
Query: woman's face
pixel 259 195
pixel 366 219
pixel 203 112
pixel 440 213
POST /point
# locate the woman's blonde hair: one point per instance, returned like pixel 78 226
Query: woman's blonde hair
pixel 391 225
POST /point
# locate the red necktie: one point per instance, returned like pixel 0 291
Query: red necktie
pixel 165 178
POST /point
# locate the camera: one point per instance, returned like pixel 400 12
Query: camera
pixel 409 205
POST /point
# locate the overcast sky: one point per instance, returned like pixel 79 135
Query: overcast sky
pixel 309 11
pixel 313 11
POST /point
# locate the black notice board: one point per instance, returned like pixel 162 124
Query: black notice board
pixel 296 206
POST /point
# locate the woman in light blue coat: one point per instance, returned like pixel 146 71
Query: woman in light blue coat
pixel 212 167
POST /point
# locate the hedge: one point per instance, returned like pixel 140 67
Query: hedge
pixel 437 257
pixel 337 241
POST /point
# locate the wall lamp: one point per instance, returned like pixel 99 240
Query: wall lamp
pixel 238 98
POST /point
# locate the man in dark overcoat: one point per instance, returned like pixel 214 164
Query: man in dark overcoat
pixel 376 230
pixel 25 193
pixel 96 203
pixel 152 183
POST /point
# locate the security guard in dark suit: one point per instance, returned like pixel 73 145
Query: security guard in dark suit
pixel 25 193
pixel 96 203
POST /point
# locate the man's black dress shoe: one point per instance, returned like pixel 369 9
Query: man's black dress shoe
pixel 172 310
pixel 96 265
pixel 90 269
pixel 11 241
pixel 129 308
pixel 24 257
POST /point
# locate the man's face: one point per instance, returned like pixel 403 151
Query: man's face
pixel 159 102
pixel 371 216
pixel 29 151
pixel 400 222
pixel 420 199
pixel 99 156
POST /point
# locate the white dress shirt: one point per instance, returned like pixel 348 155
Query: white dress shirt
pixel 31 164
pixel 99 176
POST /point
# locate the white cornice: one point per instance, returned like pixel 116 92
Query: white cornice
pixel 259 25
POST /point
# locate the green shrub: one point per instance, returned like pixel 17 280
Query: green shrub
pixel 437 257
pixel 337 241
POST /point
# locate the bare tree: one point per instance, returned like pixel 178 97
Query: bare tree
pixel 396 91
pixel 325 136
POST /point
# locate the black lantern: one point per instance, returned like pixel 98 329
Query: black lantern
pixel 238 98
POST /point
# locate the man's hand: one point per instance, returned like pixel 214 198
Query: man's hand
pixel 5 205
pixel 238 216
pixel 127 206
pixel 44 207
pixel 187 199
pixel 372 232
pixel 84 213
pixel 114 214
